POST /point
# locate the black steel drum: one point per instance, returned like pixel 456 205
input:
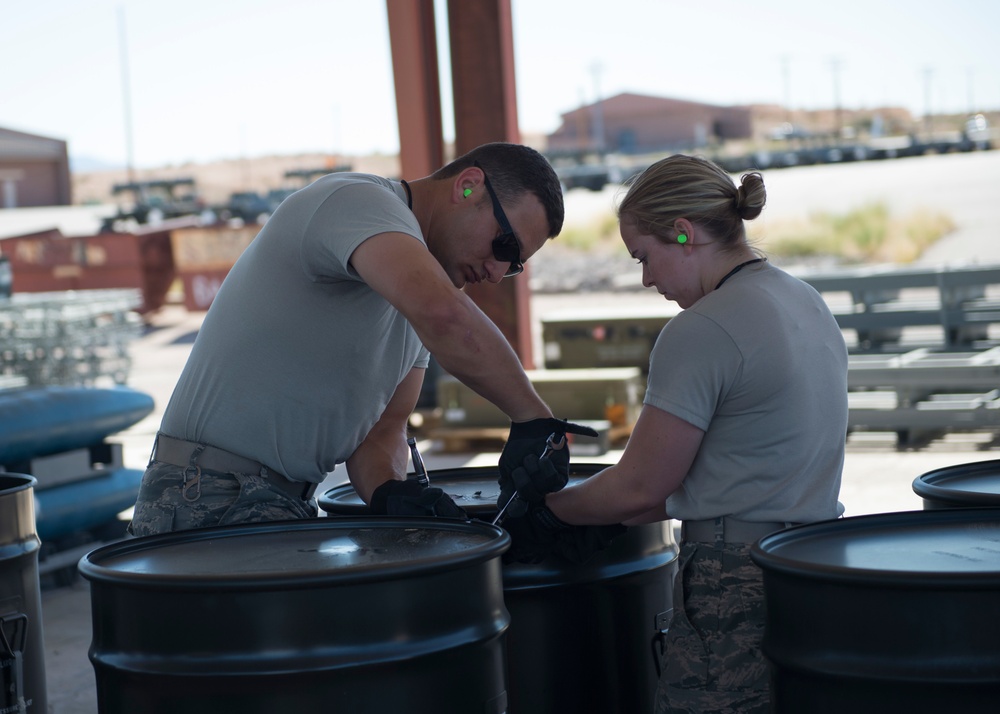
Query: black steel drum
pixel 354 615
pixel 22 650
pixel 975 485
pixel 894 612
pixel 582 637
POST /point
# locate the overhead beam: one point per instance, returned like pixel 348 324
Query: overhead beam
pixel 485 100
pixel 418 91
pixel 485 104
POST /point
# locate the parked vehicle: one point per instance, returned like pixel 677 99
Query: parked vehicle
pixel 276 195
pixel 153 201
pixel 248 206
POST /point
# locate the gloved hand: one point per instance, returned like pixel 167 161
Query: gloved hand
pixel 579 543
pixel 531 481
pixel 532 537
pixel 527 438
pixel 410 498
pixel 540 534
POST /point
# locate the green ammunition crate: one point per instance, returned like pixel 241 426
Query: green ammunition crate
pixel 609 338
pixel 612 394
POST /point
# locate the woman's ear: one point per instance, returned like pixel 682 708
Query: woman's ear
pixel 685 231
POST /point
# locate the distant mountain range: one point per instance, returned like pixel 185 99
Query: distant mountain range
pixel 85 164
pixel 93 180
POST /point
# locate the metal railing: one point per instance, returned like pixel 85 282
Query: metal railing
pixel 891 309
pixel 924 343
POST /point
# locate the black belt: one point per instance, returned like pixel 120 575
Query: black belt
pixel 729 530
pixel 178 452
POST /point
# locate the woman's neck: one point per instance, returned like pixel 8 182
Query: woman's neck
pixel 734 263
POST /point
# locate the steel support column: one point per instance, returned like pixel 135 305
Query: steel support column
pixel 418 93
pixel 485 100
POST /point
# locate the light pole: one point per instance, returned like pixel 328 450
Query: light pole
pixel 928 116
pixel 835 65
pixel 126 95
pixel 787 88
pixel 596 69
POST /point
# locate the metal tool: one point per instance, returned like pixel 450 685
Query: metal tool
pixel 418 463
pixel 550 445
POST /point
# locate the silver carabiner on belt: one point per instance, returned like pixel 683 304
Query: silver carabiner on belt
pixel 191 481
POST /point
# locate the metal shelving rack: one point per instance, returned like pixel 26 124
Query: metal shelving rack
pixel 71 338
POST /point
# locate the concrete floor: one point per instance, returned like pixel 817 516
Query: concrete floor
pixel 877 478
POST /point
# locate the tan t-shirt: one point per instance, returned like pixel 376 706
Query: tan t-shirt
pixel 297 356
pixel 760 365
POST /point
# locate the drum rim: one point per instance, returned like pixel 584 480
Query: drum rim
pixel 24 481
pixel 763 555
pixel 90 566
pixel 931 484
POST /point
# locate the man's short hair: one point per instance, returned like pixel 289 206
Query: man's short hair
pixel 513 170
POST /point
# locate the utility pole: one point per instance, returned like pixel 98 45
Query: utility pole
pixel 972 97
pixel 126 95
pixel 928 116
pixel 337 139
pixel 244 161
pixel 787 88
pixel 582 126
pixel 596 69
pixel 835 65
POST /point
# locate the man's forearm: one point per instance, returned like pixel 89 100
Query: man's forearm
pixel 376 461
pixel 473 350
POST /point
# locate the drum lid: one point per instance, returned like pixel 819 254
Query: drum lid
pixel 298 551
pixel 960 545
pixel 975 479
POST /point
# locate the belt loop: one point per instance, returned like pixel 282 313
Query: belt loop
pixel 720 532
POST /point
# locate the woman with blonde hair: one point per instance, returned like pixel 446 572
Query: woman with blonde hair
pixel 741 433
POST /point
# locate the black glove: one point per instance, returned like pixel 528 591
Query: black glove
pixel 410 498
pixel 527 438
pixel 539 534
pixel 579 543
pixel 531 481
pixel 531 539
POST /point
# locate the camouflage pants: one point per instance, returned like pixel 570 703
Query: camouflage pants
pixel 712 662
pixel 167 503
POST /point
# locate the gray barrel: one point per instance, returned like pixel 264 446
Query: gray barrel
pixel 887 613
pixel 359 615
pixel 582 638
pixel 22 649
pixel 975 485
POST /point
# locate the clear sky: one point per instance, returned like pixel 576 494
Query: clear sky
pixel 210 79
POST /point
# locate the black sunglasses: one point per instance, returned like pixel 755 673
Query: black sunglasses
pixel 505 246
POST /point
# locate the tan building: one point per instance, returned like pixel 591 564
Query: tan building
pixel 34 171
pixel 637 123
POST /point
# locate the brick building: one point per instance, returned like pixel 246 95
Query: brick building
pixel 636 123
pixel 34 171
